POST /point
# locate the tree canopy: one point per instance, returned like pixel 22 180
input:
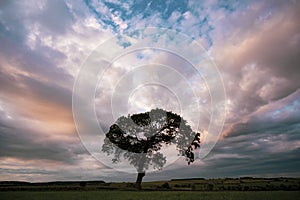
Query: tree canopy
pixel 140 137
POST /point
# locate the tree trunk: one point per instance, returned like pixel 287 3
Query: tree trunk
pixel 139 179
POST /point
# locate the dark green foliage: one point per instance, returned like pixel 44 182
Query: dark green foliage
pixel 210 186
pixel 82 184
pixel 165 186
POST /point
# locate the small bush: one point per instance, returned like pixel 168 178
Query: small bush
pixel 82 184
pixel 210 186
pixel 165 186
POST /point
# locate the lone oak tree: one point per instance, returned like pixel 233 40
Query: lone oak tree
pixel 140 137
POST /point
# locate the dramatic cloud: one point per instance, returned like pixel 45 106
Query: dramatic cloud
pixel 255 44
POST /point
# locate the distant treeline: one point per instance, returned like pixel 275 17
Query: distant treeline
pixel 187 179
pixel 49 186
pixel 237 184
pixel 229 178
pixel 23 183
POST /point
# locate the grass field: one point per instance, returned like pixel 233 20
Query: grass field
pixel 147 195
pixel 228 188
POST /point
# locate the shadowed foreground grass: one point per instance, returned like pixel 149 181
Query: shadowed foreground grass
pixel 132 195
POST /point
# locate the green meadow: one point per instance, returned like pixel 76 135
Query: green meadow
pixel 149 195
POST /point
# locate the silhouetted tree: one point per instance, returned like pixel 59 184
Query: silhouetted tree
pixel 142 135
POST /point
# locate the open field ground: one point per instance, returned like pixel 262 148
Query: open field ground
pixel 149 195
pixel 228 188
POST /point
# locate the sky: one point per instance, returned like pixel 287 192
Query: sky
pixel 249 61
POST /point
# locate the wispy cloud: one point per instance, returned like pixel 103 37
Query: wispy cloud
pixel 255 45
